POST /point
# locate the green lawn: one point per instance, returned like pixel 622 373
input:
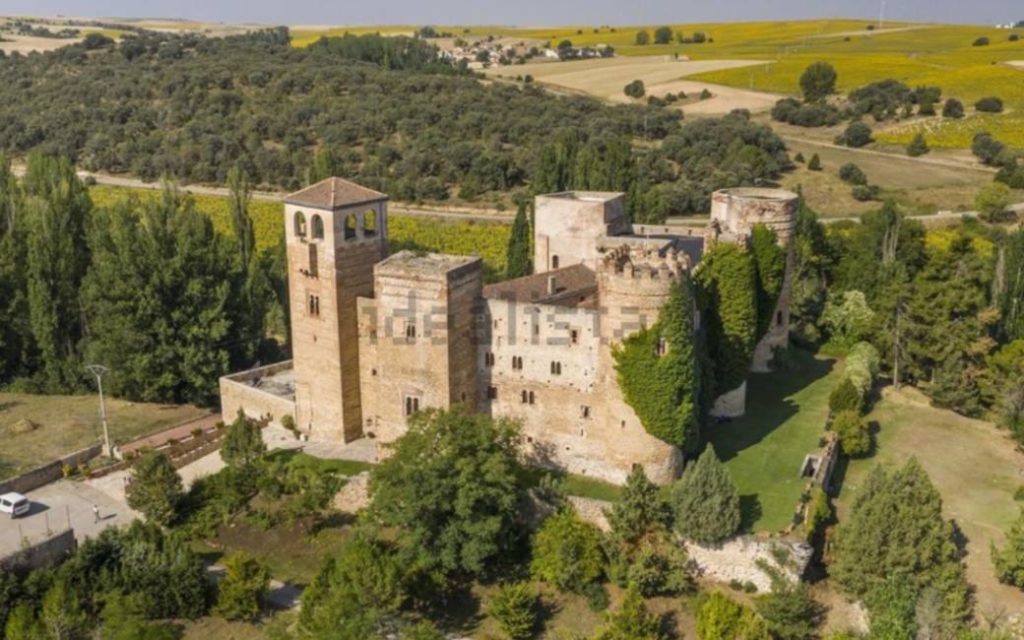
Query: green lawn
pixel 764 449
pixel 974 465
pixel 68 423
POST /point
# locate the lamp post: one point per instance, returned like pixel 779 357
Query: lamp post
pixel 98 370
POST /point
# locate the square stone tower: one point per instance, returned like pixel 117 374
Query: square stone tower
pixel 568 226
pixel 335 231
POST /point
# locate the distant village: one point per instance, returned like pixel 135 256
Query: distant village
pixel 486 51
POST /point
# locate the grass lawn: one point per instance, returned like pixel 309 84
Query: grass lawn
pixel 764 449
pixel 975 466
pixel 68 423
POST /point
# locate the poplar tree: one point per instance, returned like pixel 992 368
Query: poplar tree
pixel 519 262
pixel 15 330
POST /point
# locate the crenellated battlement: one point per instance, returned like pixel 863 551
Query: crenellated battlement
pixel 640 263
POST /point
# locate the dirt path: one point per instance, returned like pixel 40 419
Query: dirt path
pixel 953 164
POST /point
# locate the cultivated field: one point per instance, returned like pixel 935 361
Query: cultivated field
pixel 605 78
pixel 975 466
pixel 28 44
pixel 68 423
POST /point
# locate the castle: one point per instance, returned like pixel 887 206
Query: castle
pixel 377 337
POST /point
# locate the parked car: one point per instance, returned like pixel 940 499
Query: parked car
pixel 14 503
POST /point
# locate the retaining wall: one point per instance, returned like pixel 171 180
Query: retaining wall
pixel 49 472
pixel 41 554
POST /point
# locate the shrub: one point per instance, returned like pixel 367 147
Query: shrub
pixel 864 192
pixel 567 552
pixel 953 108
pixel 845 397
pixel 514 606
pixel 856 135
pixel 789 611
pixel 1018 495
pixel 799 157
pixel 814 164
pixel 631 621
pixel 240 593
pixel 852 174
pixel 854 434
pixel 720 618
pixel 992 200
pixel 635 89
pixel 642 38
pixel 1014 37
pixel 862 366
pixel 663 35
pixel 980 42
pixel 918 146
pixel 986 148
pixel 819 513
pixel 991 104
pixel 706 503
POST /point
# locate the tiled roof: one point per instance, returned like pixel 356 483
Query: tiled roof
pixel 573 287
pixel 334 193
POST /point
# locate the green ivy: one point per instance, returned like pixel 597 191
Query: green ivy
pixel 664 389
pixel 727 294
pixel 770 262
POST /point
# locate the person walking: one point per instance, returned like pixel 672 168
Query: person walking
pixel 96 513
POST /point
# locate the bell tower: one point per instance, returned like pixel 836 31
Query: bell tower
pixel 335 231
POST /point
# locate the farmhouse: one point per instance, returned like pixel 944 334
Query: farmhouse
pixel 377 336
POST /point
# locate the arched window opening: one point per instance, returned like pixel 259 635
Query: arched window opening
pixel 350 226
pixel 318 228
pixel 369 223
pixel 300 224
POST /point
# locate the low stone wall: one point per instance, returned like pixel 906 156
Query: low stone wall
pixel 731 404
pixel 236 393
pixel 740 559
pixel 49 472
pixel 41 554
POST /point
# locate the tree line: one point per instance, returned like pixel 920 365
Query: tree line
pixel 147 288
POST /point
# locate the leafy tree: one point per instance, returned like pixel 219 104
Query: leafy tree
pixel 514 606
pixel 953 108
pixel 846 398
pixel 658 371
pixel 240 593
pixel 243 444
pixel 854 434
pixel 1009 290
pixel 567 552
pixel 986 148
pixel 818 81
pixel 727 294
pixel 9 594
pixel 847 318
pixel 705 500
pixel 662 35
pixel 61 615
pixel 520 261
pixel 981 41
pixel 124 618
pixel 23 624
pixel 852 174
pixel 451 490
pixel 720 618
pixel 635 89
pixel 789 611
pixel 57 213
pixel 642 38
pixel 918 146
pixel 991 201
pixel 895 528
pixel 1007 374
pixel 15 330
pixel 814 164
pixel 632 621
pixel 990 104
pixel 1009 561
pixel 155 489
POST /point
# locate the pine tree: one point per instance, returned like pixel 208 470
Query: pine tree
pixel 1009 561
pixel 155 490
pixel 519 259
pixel 918 146
pixel 641 511
pixel 705 500
pixel 631 621
pixel 514 606
pixel 243 443
pixel 240 593
pixel 814 164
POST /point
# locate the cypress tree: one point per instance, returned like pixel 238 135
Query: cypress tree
pixel 519 263
pixel 705 500
pixel 814 164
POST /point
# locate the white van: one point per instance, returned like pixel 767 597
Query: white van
pixel 14 504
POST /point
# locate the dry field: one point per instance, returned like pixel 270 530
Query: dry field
pixel 28 44
pixel 605 78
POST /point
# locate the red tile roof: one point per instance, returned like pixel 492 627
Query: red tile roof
pixel 334 193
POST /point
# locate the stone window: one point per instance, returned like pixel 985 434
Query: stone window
pixel 412 405
pixel 314 262
pixel 530 396
pixel 410 330
pixel 492 393
pixel 318 227
pixel 556 368
pixel 300 224
pixel 369 223
pixel 517 363
pixel 574 336
pixel 489 359
pixel 662 347
pixel 584 412
pixel 350 226
pixel 314 305
pixel 554 262
pixel 525 397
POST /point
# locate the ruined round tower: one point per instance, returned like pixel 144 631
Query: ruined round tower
pixel 634 283
pixel 734 212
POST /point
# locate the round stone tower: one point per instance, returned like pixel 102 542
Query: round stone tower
pixel 736 211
